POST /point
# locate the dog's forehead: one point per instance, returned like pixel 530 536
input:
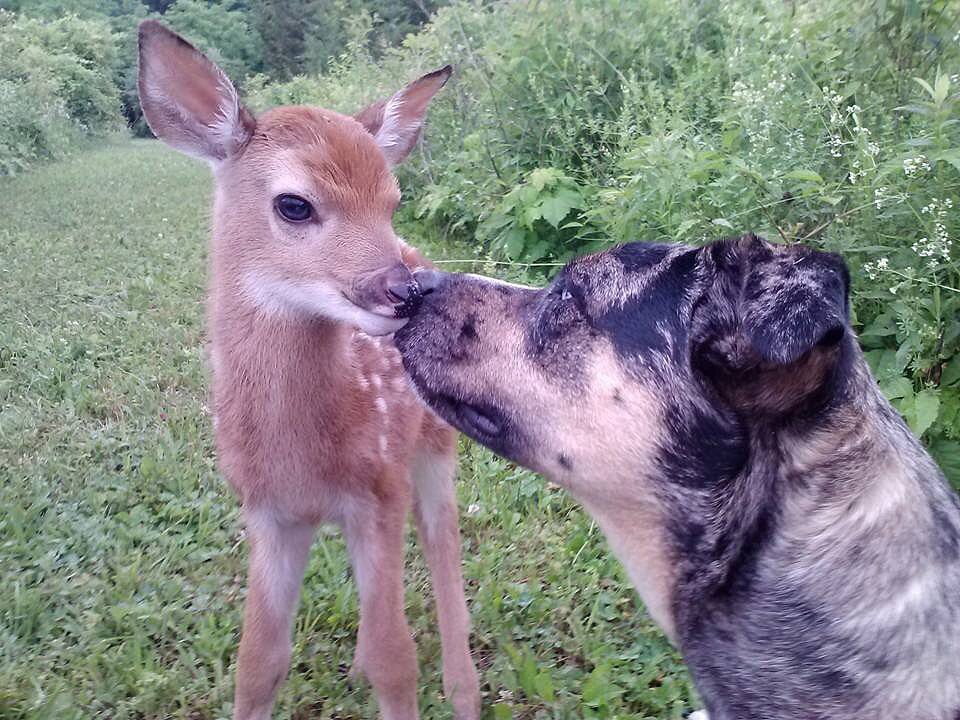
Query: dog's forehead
pixel 637 297
pixel 610 278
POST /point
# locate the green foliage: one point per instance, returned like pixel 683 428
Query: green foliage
pixel 55 86
pixel 538 217
pixel 570 126
pixel 266 38
pixel 303 36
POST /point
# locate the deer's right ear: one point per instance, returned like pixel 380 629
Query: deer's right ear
pixel 188 101
pixel 395 122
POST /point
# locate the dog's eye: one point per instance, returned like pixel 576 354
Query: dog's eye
pixel 565 307
pixel 293 208
pixel 571 300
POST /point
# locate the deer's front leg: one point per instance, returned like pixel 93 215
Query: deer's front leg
pixel 278 555
pixel 385 651
pixel 435 508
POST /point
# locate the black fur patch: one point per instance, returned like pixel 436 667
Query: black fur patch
pixel 649 321
pixel 468 328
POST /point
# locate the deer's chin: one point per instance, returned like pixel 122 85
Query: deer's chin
pixel 282 297
pixel 375 323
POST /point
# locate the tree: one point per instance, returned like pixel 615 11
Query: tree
pixel 223 33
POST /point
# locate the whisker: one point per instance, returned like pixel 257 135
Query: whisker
pixel 479 261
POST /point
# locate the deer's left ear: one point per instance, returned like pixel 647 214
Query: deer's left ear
pixel 187 100
pixel 395 122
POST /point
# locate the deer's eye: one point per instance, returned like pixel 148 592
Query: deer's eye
pixel 293 208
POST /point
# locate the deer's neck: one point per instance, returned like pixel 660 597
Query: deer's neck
pixel 282 350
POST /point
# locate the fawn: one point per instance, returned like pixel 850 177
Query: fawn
pixel 314 421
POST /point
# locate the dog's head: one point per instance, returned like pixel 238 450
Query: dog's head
pixel 643 359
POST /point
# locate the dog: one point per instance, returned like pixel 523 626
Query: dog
pixel 711 409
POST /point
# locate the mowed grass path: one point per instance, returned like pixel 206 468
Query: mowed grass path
pixel 121 556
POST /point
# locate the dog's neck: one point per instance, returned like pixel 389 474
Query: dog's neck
pixel 838 535
pixel 817 462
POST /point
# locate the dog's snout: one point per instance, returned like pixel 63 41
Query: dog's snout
pixel 429 279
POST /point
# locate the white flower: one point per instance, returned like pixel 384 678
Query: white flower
pixel 881 265
pixel 836 142
pixel 939 245
pixel 913 166
pixel 879 195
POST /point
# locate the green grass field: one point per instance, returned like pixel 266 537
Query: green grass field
pixel 121 557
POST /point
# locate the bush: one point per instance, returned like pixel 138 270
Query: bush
pixel 573 125
pixel 55 86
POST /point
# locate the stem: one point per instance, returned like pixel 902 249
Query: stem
pixel 913 278
pixel 483 74
pixel 824 225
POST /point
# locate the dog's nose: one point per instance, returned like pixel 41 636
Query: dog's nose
pixel 399 284
pixel 429 279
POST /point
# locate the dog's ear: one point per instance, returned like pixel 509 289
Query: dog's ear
pixel 766 307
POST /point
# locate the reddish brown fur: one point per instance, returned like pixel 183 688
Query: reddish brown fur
pixel 315 421
pixel 335 150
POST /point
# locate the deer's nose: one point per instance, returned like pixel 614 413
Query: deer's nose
pixel 399 284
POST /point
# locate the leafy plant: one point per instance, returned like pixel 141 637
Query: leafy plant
pixel 541 217
pixel 56 87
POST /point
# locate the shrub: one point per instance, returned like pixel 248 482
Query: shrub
pixel 55 86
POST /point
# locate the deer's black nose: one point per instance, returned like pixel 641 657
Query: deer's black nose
pixel 399 285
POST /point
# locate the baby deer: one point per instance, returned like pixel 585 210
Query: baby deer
pixel 314 421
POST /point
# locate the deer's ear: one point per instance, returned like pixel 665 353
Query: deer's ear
pixel 395 122
pixel 188 101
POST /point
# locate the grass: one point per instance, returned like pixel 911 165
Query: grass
pixel 121 559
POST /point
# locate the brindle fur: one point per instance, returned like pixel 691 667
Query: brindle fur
pixel 712 409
